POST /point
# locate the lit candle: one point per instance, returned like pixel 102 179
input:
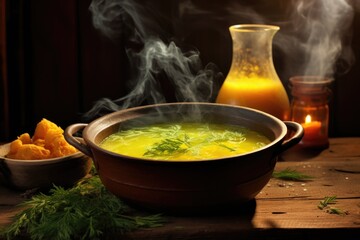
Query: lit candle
pixel 309 106
pixel 312 130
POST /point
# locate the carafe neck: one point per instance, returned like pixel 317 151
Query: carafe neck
pixel 252 50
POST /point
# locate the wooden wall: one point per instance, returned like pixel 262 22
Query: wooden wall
pixel 57 65
pixel 4 114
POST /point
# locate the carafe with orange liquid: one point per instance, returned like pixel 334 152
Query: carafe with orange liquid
pixel 252 80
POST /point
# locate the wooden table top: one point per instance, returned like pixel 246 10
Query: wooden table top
pixel 282 210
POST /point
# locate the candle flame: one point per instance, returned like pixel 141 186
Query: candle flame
pixel 308 119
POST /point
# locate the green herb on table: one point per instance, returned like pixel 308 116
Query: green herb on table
pixel 290 174
pixel 324 205
pixel 337 211
pixel 86 211
pixel 327 200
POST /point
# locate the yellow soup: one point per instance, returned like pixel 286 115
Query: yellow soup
pixel 184 141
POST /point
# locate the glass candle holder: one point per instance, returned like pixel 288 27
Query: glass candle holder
pixel 309 107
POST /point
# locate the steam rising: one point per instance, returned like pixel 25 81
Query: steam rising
pixel 319 34
pixel 151 58
pixel 315 39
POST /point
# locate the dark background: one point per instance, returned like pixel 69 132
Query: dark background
pixel 55 64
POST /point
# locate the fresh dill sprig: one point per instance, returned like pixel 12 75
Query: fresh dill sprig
pixel 227 136
pixel 86 211
pixel 337 211
pixel 178 142
pixel 327 200
pixel 290 174
pixel 324 205
pixel 224 146
pixel 168 146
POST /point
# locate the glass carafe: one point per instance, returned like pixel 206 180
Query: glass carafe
pixel 252 80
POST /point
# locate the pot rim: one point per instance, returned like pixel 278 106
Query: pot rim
pixel 91 143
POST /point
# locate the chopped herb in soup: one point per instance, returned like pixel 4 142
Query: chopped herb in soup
pixel 184 141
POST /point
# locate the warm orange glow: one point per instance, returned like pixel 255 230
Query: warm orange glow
pixel 312 130
pixel 260 93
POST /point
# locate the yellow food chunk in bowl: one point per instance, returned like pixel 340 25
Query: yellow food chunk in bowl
pixel 42 161
pixel 18 150
pixel 47 142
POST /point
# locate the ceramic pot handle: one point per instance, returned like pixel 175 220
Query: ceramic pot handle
pixel 295 138
pixel 78 143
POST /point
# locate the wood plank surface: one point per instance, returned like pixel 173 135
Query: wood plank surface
pixel 282 210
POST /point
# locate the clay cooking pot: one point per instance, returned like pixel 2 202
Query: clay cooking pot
pixel 178 186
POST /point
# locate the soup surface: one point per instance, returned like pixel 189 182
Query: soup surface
pixel 184 141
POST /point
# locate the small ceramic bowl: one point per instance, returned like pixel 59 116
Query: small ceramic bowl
pixel 43 173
